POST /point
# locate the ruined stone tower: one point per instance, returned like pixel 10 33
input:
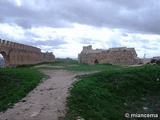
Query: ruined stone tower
pixel 116 56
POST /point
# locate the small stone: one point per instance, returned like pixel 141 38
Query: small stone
pixel 157 79
pixel 24 100
pixel 34 114
pixel 125 104
pixel 25 109
pixel 58 98
pixel 58 110
pixel 80 118
pixel 145 108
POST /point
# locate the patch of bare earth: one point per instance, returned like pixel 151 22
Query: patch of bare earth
pixel 47 101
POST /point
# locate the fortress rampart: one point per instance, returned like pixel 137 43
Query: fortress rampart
pixel 15 54
pixel 115 56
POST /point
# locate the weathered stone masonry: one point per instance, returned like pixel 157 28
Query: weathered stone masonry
pixel 116 56
pixel 19 54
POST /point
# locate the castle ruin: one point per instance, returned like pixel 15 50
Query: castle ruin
pixel 115 56
pixel 15 54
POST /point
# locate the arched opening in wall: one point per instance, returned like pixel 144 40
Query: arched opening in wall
pixel 96 61
pixel 4 59
pixel 1 61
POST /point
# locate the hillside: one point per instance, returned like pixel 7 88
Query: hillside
pixel 98 92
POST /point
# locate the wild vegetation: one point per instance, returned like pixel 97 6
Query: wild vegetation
pixel 105 95
pixel 109 94
pixel 15 83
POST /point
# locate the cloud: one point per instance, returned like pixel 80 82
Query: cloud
pixel 30 14
pixel 65 26
pixel 135 16
pixel 55 43
pixel 36 37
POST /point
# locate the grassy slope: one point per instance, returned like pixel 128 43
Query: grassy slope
pixel 15 83
pixel 110 94
pixel 101 96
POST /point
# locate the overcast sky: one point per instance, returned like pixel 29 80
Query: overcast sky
pixel 65 26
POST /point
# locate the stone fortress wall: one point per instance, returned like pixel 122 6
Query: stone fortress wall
pixel 15 54
pixel 115 56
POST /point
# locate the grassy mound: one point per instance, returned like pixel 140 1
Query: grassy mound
pixel 15 83
pixel 108 95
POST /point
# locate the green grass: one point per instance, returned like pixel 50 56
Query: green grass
pixel 15 83
pixel 63 63
pixel 108 95
pixel 95 67
pixel 75 66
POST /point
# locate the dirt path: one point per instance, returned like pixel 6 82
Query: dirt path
pixel 46 101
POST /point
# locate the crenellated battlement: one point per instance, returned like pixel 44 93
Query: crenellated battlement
pixel 14 45
pixel 18 54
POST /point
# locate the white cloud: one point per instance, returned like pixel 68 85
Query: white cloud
pixel 65 27
pixel 12 31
